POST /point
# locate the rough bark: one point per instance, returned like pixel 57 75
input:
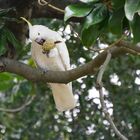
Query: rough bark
pixel 37 75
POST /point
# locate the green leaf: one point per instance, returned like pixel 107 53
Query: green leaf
pixel 90 35
pixel 25 87
pixel 7 35
pixel 4 12
pixel 116 22
pixel 5 81
pixel 92 27
pixel 12 39
pixel 1 27
pixel 77 10
pixel 118 3
pixel 2 43
pixel 131 7
pixel 135 28
pixel 5 76
pixel 9 19
pixel 98 14
pixel 4 86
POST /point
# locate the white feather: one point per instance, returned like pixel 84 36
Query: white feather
pixel 57 59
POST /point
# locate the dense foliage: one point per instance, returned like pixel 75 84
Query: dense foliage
pixel 102 22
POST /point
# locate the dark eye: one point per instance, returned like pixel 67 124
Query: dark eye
pixel 38 33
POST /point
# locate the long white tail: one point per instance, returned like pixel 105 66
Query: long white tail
pixel 63 96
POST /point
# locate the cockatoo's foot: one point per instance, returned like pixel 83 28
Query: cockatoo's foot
pixel 45 71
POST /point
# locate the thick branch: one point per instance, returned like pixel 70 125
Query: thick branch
pixel 36 75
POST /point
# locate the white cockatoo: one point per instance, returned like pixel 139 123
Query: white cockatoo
pixel 55 58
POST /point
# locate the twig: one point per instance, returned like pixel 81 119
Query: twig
pixel 104 108
pixel 130 47
pixel 76 34
pixel 103 67
pixel 114 43
pixel 43 2
pixel 27 103
pixel 110 46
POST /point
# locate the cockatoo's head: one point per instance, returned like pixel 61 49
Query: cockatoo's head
pixel 37 33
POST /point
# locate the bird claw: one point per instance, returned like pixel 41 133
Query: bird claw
pixel 44 71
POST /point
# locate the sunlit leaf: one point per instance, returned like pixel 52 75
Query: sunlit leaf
pixel 98 14
pixel 77 10
pixel 5 81
pixel 131 7
pixel 91 29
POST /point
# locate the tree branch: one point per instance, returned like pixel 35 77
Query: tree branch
pixel 37 75
pixel 27 103
pixel 43 2
pixel 103 67
pixel 100 88
pixel 130 46
pixel 54 9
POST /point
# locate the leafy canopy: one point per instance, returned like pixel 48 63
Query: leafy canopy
pixel 99 16
pixel 102 22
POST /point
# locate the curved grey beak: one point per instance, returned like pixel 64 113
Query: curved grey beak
pixel 40 41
